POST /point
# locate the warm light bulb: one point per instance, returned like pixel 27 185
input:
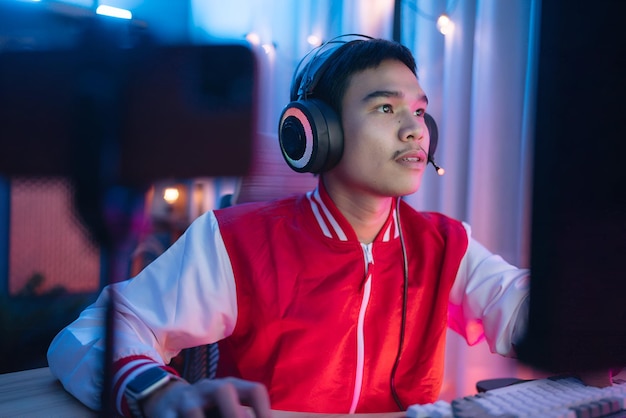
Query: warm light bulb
pixel 314 40
pixel 253 38
pixel 170 195
pixel 445 24
pixel 268 48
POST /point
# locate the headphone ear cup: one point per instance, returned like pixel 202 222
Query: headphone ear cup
pixel 310 136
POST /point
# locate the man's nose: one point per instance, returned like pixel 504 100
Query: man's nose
pixel 412 128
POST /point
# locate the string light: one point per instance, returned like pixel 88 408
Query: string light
pixel 268 48
pixel 314 40
pixel 253 38
pixel 444 23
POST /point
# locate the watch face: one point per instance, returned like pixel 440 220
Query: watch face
pixel 147 381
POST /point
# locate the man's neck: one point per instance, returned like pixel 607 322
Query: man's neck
pixel 366 213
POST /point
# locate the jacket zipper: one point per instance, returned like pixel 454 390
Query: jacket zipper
pixel 360 360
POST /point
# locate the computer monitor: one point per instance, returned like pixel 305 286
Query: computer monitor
pixel 98 101
pixel 578 255
pixel 76 84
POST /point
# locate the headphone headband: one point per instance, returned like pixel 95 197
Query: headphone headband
pixel 314 65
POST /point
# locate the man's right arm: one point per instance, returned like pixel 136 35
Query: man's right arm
pixel 183 299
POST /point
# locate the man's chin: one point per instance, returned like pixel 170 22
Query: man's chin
pixel 406 191
pixel 412 188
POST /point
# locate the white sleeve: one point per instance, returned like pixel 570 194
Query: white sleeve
pixel 489 299
pixel 185 298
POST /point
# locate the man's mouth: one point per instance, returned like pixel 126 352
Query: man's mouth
pixel 411 159
pixel 411 156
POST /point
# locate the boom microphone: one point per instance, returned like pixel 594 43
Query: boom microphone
pixel 439 170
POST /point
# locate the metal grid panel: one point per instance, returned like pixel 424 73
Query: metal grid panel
pixel 49 247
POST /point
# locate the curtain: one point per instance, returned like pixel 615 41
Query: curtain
pixel 480 83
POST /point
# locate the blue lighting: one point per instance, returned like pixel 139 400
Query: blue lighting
pixel 114 12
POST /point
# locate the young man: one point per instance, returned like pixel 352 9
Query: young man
pixel 335 301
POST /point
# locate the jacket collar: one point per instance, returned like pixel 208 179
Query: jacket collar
pixel 334 225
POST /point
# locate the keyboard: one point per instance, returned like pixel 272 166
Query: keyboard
pixel 565 397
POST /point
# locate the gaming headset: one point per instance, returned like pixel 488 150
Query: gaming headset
pixel 309 131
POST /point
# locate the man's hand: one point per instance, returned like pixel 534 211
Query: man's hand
pixel 228 396
pixel 600 379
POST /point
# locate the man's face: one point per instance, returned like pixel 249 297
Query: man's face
pixel 385 137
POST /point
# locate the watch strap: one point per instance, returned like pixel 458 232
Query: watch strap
pixel 142 386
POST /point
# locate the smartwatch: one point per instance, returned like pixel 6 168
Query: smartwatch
pixel 142 386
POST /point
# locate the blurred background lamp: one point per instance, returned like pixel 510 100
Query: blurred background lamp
pixel 170 195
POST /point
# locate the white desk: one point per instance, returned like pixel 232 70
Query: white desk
pixel 36 393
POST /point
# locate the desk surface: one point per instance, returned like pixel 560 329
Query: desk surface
pixel 36 392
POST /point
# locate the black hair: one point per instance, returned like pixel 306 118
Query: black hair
pixel 350 58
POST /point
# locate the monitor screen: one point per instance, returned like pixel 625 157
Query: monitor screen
pixel 578 283
pixel 74 85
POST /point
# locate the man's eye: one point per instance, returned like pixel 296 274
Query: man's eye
pixel 386 108
pixel 419 112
